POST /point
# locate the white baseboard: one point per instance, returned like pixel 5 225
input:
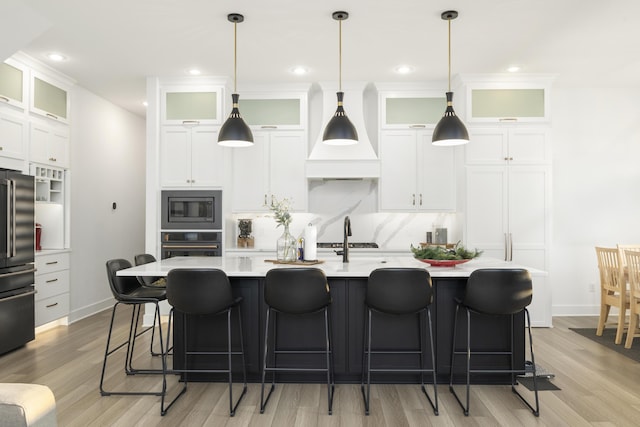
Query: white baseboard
pixel 90 310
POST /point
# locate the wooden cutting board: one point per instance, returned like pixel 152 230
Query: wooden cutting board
pixel 297 262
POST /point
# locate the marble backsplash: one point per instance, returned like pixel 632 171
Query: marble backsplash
pixel 330 202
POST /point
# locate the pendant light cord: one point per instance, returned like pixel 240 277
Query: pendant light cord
pixel 235 56
pixel 340 57
pixel 449 55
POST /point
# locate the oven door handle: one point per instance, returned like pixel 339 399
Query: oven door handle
pixel 26 294
pixel 165 246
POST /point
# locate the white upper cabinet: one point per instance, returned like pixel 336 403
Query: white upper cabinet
pixel 274 110
pixel 14 134
pixel 49 145
pixel 192 105
pixel 191 157
pixel 13 84
pixel 49 98
pixel 513 144
pixel 272 167
pixel 417 110
pixel 521 99
pixel 415 174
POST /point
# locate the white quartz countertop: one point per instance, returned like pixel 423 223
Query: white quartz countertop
pixel 361 266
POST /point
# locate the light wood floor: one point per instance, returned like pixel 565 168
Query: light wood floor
pixel 599 388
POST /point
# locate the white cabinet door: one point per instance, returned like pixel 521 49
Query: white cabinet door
pixel 13 136
pixel 287 154
pixel 487 209
pixel 415 174
pixel 516 145
pixel 207 158
pixel 398 170
pixel 250 177
pixel 529 207
pixel 49 145
pixel 191 157
pixel 175 157
pixel 272 167
pixel 436 175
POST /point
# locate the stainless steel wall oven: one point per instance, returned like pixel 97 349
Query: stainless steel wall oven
pixel 190 243
pixel 191 209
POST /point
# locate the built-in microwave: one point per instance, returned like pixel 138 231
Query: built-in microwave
pixel 191 209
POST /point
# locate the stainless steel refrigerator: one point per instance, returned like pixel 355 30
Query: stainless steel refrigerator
pixel 17 229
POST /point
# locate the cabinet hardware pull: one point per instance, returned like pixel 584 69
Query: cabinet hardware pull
pixel 52 116
pixel 190 246
pixel 191 122
pixel 420 199
pixel 265 200
pixel 268 127
pixel 4 98
pixel 52 159
pixel 510 247
pixel 417 126
pixel 52 262
pixel 1 148
pixel 52 305
pixel 510 158
pixel 51 281
pixel 413 197
pixel 508 119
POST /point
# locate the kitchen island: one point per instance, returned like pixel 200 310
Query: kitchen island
pixel 347 282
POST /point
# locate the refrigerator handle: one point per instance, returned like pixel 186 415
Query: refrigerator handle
pixel 510 247
pixel 12 184
pixel 506 247
pixel 7 226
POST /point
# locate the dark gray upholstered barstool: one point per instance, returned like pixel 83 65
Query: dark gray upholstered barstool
pixel 141 259
pixel 128 291
pixel 495 292
pixel 296 291
pixel 199 292
pixel 399 291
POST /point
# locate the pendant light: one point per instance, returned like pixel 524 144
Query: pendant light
pixel 450 130
pixel 235 132
pixel 340 130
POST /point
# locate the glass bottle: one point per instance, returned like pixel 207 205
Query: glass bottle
pixel 287 248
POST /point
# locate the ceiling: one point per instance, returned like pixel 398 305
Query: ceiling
pixel 112 46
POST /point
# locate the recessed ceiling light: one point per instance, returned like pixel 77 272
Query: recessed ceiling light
pixel 56 57
pixel 299 70
pixel 194 72
pixel 513 69
pixel 404 69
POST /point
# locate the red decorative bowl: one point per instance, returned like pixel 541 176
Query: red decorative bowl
pixel 443 262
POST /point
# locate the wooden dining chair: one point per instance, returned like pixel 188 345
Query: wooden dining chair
pixel 613 289
pixel 633 270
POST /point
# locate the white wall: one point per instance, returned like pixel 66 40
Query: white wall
pixel 108 165
pixel 596 188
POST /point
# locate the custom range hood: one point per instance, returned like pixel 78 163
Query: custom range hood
pixel 358 161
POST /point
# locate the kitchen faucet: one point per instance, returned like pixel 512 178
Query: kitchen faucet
pixel 345 242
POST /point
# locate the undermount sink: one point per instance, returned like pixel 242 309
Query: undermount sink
pixel 352 245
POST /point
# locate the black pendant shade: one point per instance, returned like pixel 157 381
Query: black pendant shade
pixel 450 130
pixel 340 130
pixel 235 132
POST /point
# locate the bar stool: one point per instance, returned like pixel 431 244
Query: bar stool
pixel 399 291
pixel 141 259
pixel 128 291
pixel 200 292
pixel 495 292
pixel 296 291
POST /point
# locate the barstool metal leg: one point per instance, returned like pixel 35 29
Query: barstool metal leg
pixel 536 410
pixel 366 362
pixel 465 409
pixel 263 401
pixel 434 402
pixel 329 356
